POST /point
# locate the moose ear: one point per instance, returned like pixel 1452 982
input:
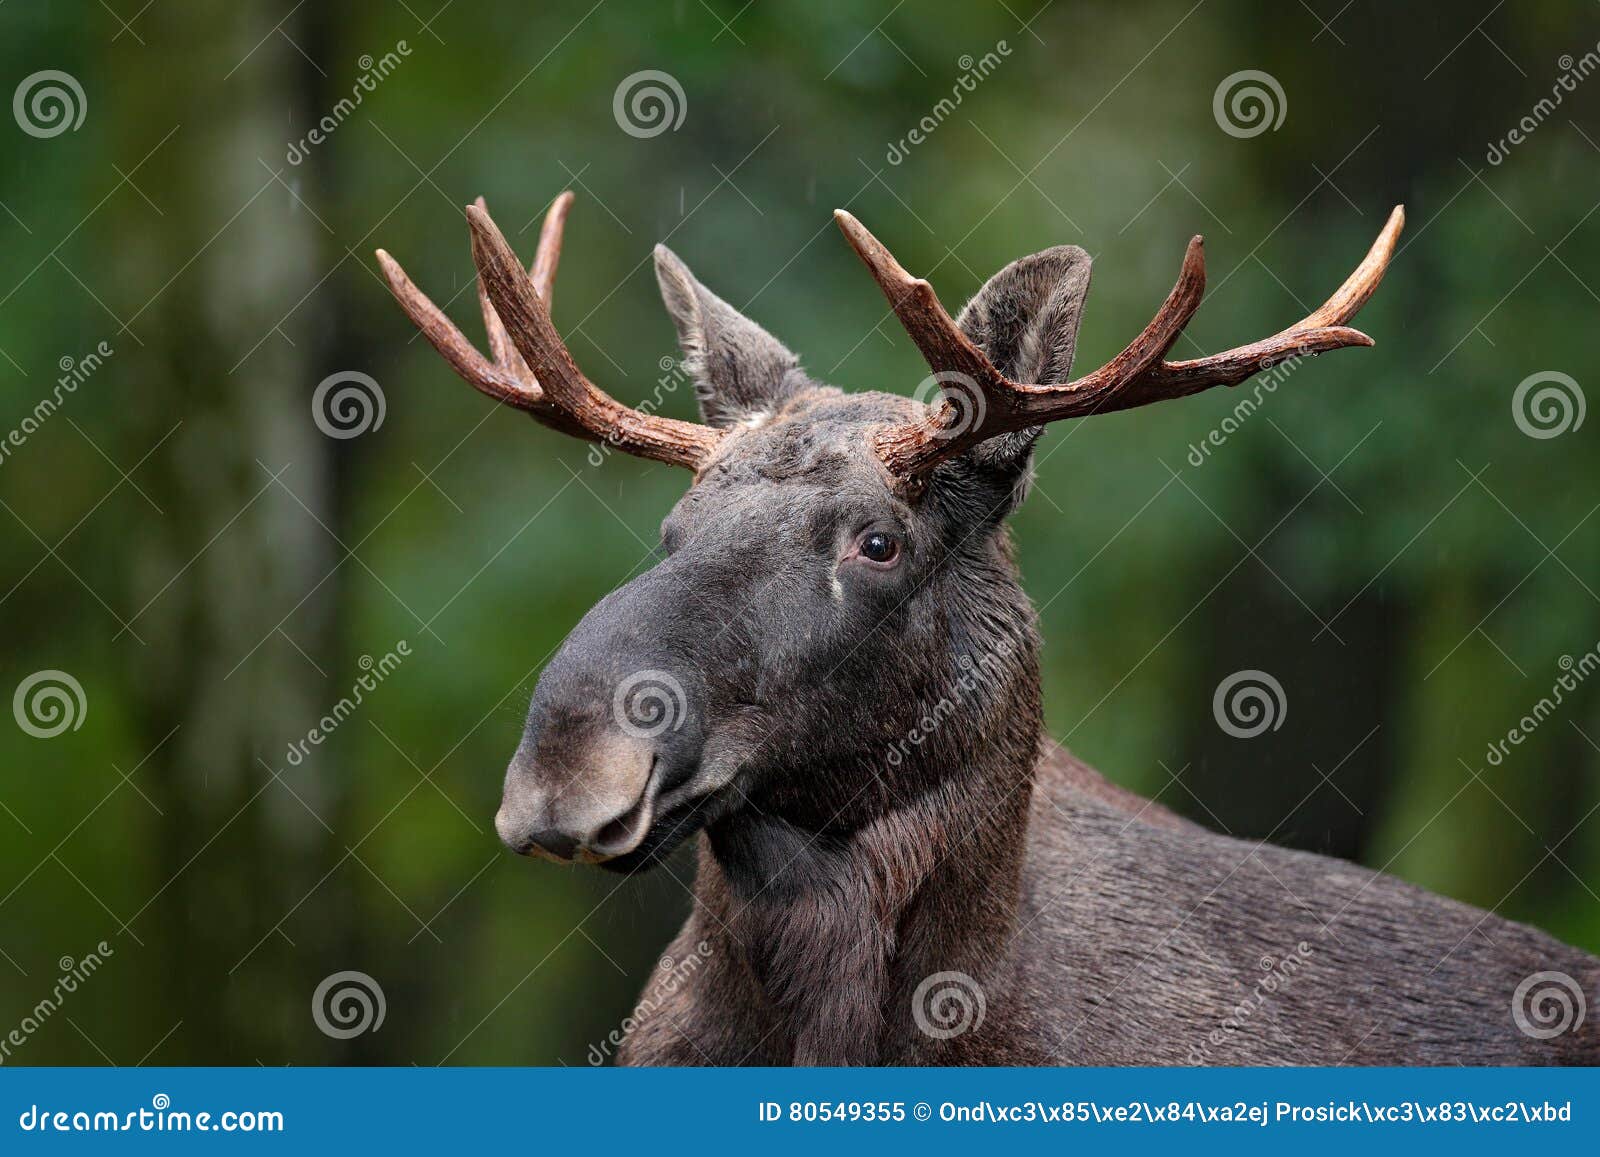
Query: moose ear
pixel 740 370
pixel 1025 320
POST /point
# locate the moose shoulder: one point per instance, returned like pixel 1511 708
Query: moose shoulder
pixel 831 682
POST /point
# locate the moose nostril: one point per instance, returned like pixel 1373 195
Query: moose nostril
pixel 558 844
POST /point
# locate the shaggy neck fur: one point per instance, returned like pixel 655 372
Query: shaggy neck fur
pixel 838 922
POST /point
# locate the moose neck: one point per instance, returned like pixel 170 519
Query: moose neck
pixel 839 922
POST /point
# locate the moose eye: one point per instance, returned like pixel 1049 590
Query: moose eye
pixel 878 547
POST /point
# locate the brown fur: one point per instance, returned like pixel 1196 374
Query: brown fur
pixel 858 751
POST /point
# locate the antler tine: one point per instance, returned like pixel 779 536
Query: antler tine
pixel 506 378
pixel 531 368
pixel 1002 405
pixel 1319 332
pixel 1363 283
pixel 543 272
pixel 933 331
pixel 585 409
pixel 1137 376
pixel 548 255
pixel 497 381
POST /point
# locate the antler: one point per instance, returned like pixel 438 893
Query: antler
pixel 1137 376
pixel 532 368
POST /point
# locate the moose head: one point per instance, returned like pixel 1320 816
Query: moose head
pixel 839 563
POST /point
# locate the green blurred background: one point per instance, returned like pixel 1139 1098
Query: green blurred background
pixel 181 538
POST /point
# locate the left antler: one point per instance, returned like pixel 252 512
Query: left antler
pixel 532 369
pixel 1137 376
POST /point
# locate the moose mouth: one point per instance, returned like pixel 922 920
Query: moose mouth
pixel 624 834
pixel 668 817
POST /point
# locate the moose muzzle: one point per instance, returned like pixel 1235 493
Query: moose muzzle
pixel 588 800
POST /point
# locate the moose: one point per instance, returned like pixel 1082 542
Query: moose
pixel 838 579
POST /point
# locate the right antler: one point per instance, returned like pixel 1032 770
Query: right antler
pixel 532 369
pixel 1137 376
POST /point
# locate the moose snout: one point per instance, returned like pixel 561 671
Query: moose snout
pixel 591 800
